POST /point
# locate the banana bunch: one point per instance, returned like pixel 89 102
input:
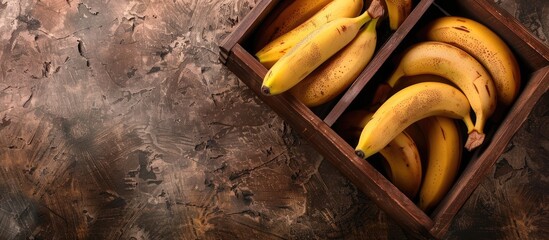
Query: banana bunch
pixel 401 158
pixel 459 67
pixel 416 133
pixel 332 77
pixel 311 52
pixel 457 74
pixel 269 54
pixel 458 70
pixel 316 49
pixel 422 161
pixel 333 47
pixel 469 56
pixel 407 106
pixel 485 46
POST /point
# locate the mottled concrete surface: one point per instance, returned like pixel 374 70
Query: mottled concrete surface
pixel 119 122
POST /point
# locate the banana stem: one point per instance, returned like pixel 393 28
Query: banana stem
pixel 376 9
pixel 364 18
pixel 372 25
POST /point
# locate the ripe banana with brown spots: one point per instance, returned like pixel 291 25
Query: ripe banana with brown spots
pixel 336 74
pixel 383 90
pixel 443 159
pixel 275 49
pixel 483 44
pixel 312 51
pixel 291 16
pixel 406 107
pixel 402 163
pixel 462 69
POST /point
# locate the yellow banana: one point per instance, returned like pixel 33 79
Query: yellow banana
pixel 421 142
pixel 456 65
pixel 404 164
pixel 407 106
pixel 310 53
pixel 383 90
pixel 410 80
pixel 398 11
pixel 287 19
pixel 483 44
pixel 332 77
pixel 401 157
pixel 444 157
pixel 336 9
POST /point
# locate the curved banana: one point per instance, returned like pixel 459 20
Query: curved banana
pixel 310 53
pixel 398 11
pixel 278 47
pixel 444 157
pixel 384 90
pixel 336 74
pixel 460 68
pixel 483 44
pixel 287 19
pixel 402 161
pixel 413 79
pixel 404 164
pixel 421 142
pixel 407 106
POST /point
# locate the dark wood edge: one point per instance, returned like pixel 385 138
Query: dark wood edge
pixel 477 170
pixel 380 57
pixel 244 27
pixel 334 148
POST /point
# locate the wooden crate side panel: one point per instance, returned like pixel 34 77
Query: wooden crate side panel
pixel 477 170
pixel 335 149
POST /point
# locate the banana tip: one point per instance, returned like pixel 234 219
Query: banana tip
pixel 360 153
pixel 265 90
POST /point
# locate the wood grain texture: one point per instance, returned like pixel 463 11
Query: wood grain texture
pixel 118 121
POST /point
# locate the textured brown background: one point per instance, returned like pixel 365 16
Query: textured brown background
pixel 119 122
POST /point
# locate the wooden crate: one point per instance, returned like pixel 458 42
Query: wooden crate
pixel 314 125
